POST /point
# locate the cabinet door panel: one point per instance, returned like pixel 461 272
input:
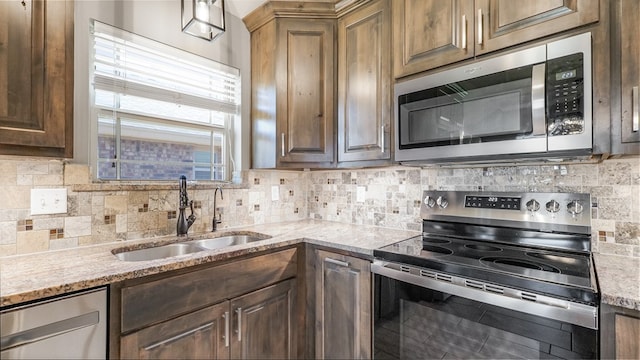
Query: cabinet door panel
pixel 263 323
pixel 431 33
pixel 306 82
pixel 630 68
pixel 364 86
pixel 36 78
pixel 627 335
pixel 506 23
pixel 199 335
pixel 343 307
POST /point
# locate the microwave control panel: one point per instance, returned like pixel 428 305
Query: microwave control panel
pixel 565 93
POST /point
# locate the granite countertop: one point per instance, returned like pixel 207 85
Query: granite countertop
pixel 34 276
pixel 619 280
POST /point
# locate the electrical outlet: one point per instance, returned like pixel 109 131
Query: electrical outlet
pixel 275 193
pixel 48 201
pixel 360 194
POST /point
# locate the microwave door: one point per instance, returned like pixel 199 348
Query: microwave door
pixel 499 113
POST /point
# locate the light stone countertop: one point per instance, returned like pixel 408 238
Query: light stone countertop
pixel 619 280
pixel 34 276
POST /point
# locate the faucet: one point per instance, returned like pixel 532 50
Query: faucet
pixel 217 220
pixel 184 223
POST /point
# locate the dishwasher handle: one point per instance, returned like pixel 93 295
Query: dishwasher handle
pixel 49 330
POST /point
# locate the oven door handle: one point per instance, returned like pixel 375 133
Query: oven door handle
pixel 540 305
pixel 538 93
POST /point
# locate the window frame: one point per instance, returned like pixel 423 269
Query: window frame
pixel 226 131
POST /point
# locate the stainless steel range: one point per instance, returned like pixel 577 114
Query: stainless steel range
pixel 494 275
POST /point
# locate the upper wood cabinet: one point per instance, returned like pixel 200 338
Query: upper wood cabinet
pixel 432 33
pixel 625 103
pixel 365 83
pixel 36 78
pixel 292 91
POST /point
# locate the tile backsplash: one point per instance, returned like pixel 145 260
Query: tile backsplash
pixel 387 197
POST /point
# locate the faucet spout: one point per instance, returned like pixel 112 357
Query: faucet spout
pixel 184 223
pixel 216 220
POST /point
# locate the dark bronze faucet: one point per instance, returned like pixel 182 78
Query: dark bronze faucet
pixel 184 223
pixel 217 220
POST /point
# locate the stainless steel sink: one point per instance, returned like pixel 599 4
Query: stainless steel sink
pixel 159 252
pixel 189 247
pixel 224 241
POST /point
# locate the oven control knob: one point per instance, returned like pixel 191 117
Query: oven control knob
pixel 575 207
pixel 429 201
pixel 533 205
pixel 553 206
pixel 442 202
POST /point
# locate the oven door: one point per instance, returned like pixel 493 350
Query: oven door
pixel 415 320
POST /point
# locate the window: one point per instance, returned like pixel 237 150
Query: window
pixel 159 112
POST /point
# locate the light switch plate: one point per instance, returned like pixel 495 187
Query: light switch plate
pixel 275 193
pixel 48 201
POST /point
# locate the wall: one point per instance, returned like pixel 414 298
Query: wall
pixel 392 194
pixel 95 217
pixel 391 199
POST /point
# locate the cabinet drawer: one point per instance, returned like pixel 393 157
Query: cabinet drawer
pixel 166 298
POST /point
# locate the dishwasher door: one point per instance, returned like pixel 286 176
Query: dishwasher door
pixel 69 327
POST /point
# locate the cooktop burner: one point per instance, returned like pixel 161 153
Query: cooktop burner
pixel 539 242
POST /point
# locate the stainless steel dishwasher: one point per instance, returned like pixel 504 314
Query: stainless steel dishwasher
pixel 68 327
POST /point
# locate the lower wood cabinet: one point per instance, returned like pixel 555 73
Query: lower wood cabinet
pixel 244 309
pixel 257 325
pixel 619 333
pixel 343 307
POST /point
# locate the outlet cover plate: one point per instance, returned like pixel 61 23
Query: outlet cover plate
pixel 48 201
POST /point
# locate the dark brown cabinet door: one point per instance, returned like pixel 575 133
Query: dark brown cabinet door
pixel 305 90
pixel 504 23
pixel 630 70
pixel 343 307
pixel 263 323
pixel 431 33
pixel 36 78
pixel 198 335
pixel 364 83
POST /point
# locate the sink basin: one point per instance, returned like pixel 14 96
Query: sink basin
pixel 224 241
pixel 159 252
pixel 188 247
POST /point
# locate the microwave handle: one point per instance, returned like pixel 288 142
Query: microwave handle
pixel 538 93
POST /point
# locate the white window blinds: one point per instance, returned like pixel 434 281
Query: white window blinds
pixel 176 105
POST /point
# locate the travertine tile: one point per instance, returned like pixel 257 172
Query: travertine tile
pixel 116 204
pixel 32 241
pixel 77 226
pixel 15 197
pixel 76 174
pixel 8 232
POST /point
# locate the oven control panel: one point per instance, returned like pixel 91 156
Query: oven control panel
pixel 492 202
pixel 543 211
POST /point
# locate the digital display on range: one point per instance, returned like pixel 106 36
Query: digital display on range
pixel 492 202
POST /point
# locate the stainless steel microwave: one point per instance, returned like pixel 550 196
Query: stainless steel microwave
pixel 533 103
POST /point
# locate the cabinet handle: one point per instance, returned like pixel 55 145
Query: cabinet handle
pixel 239 329
pixel 337 262
pixel 634 108
pixel 282 143
pixel 479 26
pixel 225 316
pixel 464 32
pixel 179 336
pixel 382 139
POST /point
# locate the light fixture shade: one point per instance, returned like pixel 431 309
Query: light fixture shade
pixel 203 18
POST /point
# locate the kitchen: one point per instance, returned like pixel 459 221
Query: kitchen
pixel 368 207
